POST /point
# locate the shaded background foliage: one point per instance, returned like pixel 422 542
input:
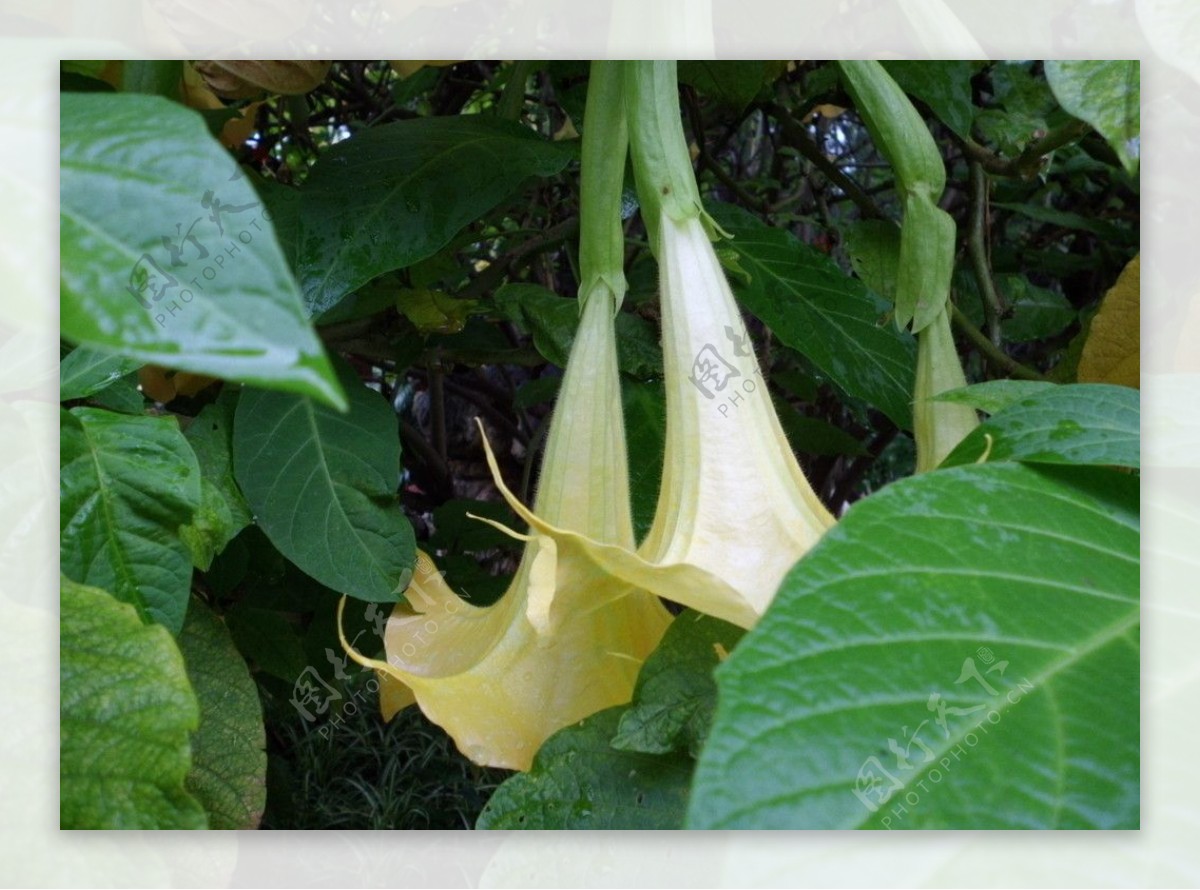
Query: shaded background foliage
pixel 470 314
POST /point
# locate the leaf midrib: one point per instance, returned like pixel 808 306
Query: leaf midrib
pixel 305 405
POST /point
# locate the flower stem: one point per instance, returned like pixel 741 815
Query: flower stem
pixel 605 146
pixel 662 164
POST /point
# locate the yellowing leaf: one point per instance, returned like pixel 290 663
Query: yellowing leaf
pixel 434 312
pixel 408 67
pixel 1112 352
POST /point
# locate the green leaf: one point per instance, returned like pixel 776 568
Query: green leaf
pixel 127 484
pixel 85 372
pixel 538 391
pixel 579 781
pixel 322 485
pixel 124 396
pixel 1107 95
pixel 229 758
pixel 1052 216
pixel 1038 312
pixel 945 86
pixel 552 321
pixel 1001 600
pixel 809 435
pixel 1026 100
pixel 645 408
pixel 126 710
pixel 874 249
pixel 266 638
pixel 223 510
pixel 827 316
pixel 393 195
pixel 675 695
pixel 732 84
pixel 148 272
pixel 1081 423
pixel 156 77
pixel 994 395
pixel 926 264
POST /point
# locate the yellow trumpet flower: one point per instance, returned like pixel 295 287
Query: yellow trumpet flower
pixel 567 638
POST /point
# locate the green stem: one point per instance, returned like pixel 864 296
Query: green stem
pixel 602 173
pixel 993 306
pixel 512 100
pixel 1029 161
pixel 990 350
pixel 662 164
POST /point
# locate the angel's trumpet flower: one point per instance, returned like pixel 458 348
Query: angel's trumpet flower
pixel 567 638
pixel 735 511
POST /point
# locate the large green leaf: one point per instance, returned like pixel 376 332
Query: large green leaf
pixel 579 781
pixel 167 254
pixel 393 195
pixel 675 695
pixel 127 484
pixel 822 313
pixel 992 396
pixel 960 651
pixel 1106 94
pixel 229 758
pixel 322 485
pixel 1081 423
pixel 126 712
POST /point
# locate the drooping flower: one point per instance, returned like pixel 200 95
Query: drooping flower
pixel 735 510
pixel 567 638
